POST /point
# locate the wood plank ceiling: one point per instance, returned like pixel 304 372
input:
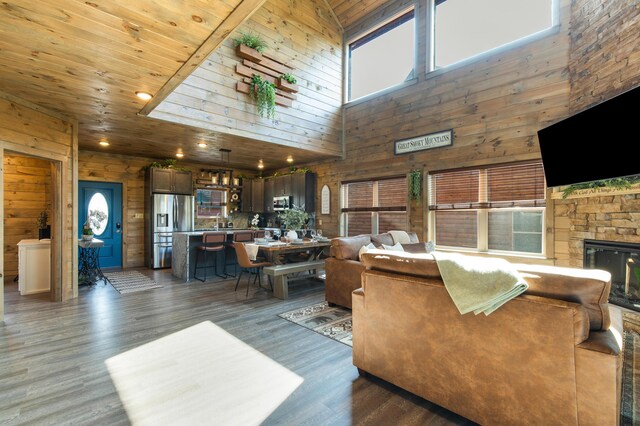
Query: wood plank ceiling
pixel 88 58
pixel 349 11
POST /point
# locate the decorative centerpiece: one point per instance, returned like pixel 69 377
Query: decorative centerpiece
pixel 255 221
pixel 294 219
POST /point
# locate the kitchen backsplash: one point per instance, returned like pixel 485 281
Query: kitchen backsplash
pixel 239 220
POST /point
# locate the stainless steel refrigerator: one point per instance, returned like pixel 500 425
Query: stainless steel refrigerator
pixel 169 213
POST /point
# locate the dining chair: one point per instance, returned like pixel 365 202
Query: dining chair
pixel 246 265
pixel 238 237
pixel 212 242
pixel 258 233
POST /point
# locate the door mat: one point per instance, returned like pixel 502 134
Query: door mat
pixel 333 322
pixel 130 281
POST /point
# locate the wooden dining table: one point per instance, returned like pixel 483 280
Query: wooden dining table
pixel 276 252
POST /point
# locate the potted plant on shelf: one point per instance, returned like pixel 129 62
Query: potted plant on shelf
pixel 287 82
pixel 250 46
pixel 264 93
pixel 44 230
pixel 293 219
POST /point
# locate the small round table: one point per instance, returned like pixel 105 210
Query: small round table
pixel 89 271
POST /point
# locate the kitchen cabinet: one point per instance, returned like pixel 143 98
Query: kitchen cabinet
pixel 246 196
pixel 268 195
pixel 282 185
pixel 257 196
pixel 303 190
pixel 169 181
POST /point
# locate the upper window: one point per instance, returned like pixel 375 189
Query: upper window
pixel 374 206
pixel 465 28
pixel 495 208
pixel 382 58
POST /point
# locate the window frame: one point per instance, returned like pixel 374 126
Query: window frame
pixel 433 71
pixel 374 210
pixel 482 221
pixel 366 33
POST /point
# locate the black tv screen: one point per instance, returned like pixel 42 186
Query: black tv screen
pixel 597 143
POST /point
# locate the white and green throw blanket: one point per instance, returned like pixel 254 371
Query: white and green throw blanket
pixel 479 284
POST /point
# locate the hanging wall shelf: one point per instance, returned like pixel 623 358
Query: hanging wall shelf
pixel 269 69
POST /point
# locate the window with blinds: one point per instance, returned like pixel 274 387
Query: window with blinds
pixel 374 206
pixel 493 208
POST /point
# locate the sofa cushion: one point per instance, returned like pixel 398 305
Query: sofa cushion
pixel 394 247
pixel 381 239
pixel 414 264
pixel 413 237
pixel 365 249
pixel 588 287
pixel 415 248
pixel 347 248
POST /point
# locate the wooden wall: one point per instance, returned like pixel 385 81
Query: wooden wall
pixel 28 129
pixel 301 34
pixel 495 105
pixel 604 62
pixel 27 192
pixel 128 170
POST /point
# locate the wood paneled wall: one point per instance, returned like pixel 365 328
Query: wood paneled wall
pixel 302 34
pixel 104 167
pixel 495 106
pixel 31 130
pixel 27 192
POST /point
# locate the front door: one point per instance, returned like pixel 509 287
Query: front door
pixel 101 203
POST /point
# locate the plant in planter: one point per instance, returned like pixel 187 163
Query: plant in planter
pixel 264 94
pixel 253 41
pixel 415 184
pixel 293 219
pixel 169 163
pixel 289 78
pixel 87 232
pixel 44 230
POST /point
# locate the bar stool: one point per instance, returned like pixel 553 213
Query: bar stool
pixel 239 237
pixel 258 234
pixel 213 242
pixel 249 266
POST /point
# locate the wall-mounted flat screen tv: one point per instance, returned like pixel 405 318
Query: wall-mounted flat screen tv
pixel 600 142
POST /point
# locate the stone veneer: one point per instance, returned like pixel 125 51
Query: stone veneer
pixel 608 218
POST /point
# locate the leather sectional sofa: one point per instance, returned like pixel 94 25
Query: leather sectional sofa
pixel 343 268
pixel 550 356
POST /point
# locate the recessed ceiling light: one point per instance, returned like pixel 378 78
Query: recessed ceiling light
pixel 202 144
pixel 144 95
pixel 103 143
pixel 289 159
pixel 179 155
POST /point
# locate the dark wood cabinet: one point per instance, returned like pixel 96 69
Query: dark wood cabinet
pixel 282 185
pixel 257 196
pixel 268 195
pixel 303 187
pixel 169 181
pixel 246 196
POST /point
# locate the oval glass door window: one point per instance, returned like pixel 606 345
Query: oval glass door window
pixel 98 213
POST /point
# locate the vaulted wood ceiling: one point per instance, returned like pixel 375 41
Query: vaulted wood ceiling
pixel 88 58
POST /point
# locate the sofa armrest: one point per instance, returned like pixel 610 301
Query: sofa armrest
pixel 358 327
pixel 342 277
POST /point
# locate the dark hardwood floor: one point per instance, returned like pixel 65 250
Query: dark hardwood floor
pixel 52 355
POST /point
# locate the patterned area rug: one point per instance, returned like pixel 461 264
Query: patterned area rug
pixel 630 409
pixel 333 322
pixel 130 281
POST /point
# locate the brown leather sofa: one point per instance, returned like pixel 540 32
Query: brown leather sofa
pixel 548 357
pixel 343 268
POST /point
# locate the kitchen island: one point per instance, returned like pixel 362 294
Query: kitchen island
pixel 184 252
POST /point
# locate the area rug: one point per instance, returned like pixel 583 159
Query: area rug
pixel 333 322
pixel 130 281
pixel 199 375
pixel 630 409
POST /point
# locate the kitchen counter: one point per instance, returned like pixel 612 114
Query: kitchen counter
pixel 183 253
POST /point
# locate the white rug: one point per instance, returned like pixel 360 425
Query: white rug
pixel 200 375
pixel 130 281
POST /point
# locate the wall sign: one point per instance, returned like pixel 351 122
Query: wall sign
pixel 420 143
pixel 325 200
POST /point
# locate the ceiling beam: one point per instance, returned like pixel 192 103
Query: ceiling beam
pixel 240 14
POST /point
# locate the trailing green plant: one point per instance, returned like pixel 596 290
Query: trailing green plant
pixel 615 183
pixel 415 184
pixel 264 94
pixel 294 218
pixel 253 41
pixel 168 163
pixel 289 78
